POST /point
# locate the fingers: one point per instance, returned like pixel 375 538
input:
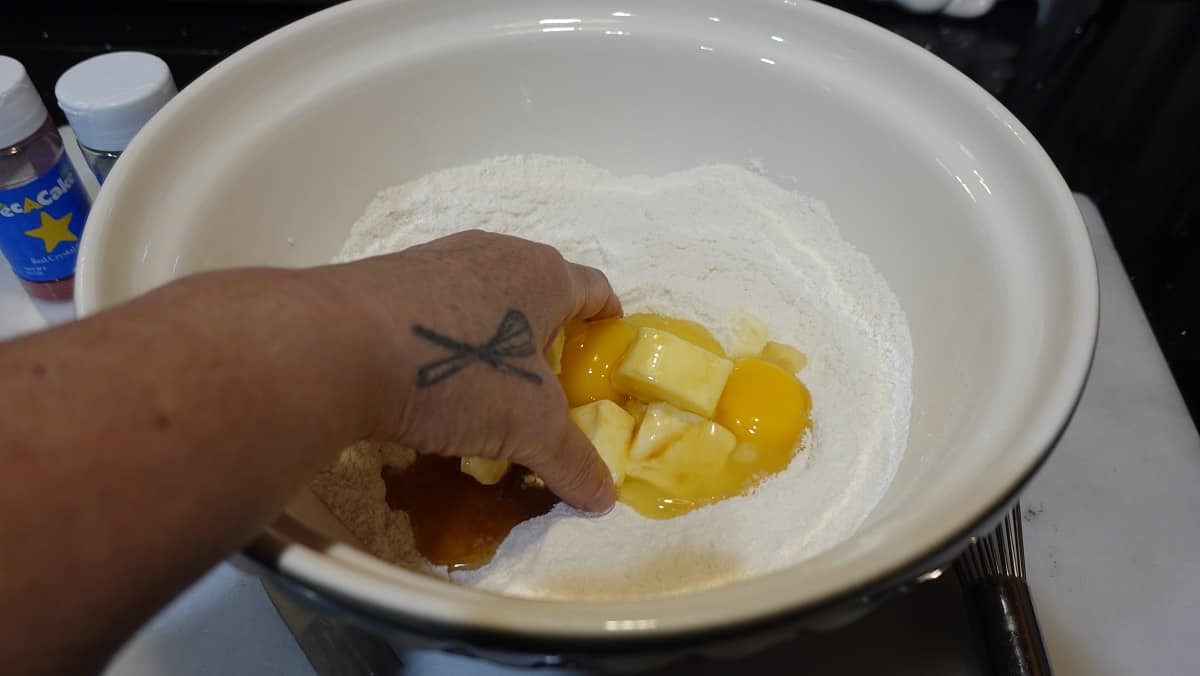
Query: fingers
pixel 594 297
pixel 575 473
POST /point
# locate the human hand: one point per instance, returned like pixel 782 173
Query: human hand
pixel 464 322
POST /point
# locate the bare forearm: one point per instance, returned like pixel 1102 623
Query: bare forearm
pixel 141 445
pixel 173 427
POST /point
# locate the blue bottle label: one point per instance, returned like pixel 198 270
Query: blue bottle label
pixel 41 221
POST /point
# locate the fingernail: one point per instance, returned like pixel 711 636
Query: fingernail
pixel 607 494
pixel 591 514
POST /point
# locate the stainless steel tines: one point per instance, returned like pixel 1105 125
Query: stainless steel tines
pixel 992 574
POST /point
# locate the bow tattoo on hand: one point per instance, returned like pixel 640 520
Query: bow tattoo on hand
pixel 513 340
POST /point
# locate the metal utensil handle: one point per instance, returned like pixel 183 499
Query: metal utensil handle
pixel 1007 627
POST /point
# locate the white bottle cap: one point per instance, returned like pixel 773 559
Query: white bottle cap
pixel 108 98
pixel 21 109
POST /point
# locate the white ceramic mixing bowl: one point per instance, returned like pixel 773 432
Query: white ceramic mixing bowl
pixel 273 154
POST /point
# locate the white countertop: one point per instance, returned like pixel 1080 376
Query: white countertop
pixel 1111 540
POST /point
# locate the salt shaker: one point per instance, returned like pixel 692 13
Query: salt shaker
pixel 108 98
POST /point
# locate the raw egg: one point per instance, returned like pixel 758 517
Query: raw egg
pixel 588 356
pixel 764 406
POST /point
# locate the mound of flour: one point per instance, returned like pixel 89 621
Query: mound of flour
pixel 708 244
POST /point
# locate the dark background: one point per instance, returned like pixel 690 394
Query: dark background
pixel 1110 87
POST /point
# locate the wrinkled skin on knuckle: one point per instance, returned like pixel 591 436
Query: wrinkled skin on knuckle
pixel 550 283
pixel 538 423
pixel 581 468
pixel 554 438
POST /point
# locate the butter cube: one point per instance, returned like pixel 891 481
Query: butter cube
pixel 659 366
pixel 750 335
pixel 555 351
pixel 785 357
pixel 637 409
pixel 679 452
pixel 662 425
pixel 484 470
pixel 609 427
pixel 744 453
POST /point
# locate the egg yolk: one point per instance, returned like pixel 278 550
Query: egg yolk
pixel 764 406
pixel 653 503
pixel 589 354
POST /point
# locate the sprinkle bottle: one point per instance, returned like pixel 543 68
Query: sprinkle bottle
pixel 43 204
pixel 108 98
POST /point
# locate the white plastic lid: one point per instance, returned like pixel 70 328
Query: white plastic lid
pixel 108 98
pixel 21 109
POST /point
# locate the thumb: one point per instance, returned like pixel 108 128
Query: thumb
pixel 575 473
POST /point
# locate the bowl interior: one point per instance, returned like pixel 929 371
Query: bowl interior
pixel 270 158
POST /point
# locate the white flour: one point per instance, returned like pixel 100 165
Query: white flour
pixel 704 244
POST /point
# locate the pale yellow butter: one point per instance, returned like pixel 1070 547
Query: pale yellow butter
pixel 636 409
pixel 483 470
pixel 610 428
pixel 785 357
pixel 555 351
pixel 659 366
pixel 662 425
pixel 678 451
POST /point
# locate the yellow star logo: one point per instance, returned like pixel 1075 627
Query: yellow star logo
pixel 53 231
